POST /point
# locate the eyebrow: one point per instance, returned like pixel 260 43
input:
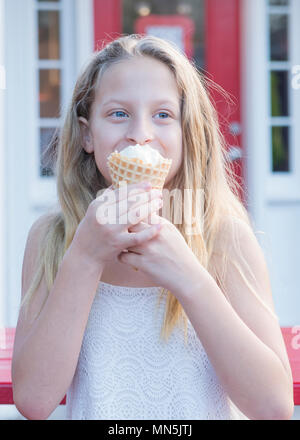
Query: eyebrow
pixel 156 102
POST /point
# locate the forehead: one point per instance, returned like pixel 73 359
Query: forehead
pixel 141 78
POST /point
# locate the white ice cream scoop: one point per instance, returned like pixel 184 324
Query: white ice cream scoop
pixel 145 153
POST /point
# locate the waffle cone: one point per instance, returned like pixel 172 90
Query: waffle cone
pixel 134 170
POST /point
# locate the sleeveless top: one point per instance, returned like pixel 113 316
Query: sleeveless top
pixel 126 371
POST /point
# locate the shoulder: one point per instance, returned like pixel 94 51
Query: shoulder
pixel 236 238
pixel 37 229
pixel 245 273
pixel 40 227
pixel 232 224
pixel 36 234
pixel 30 267
pixel 35 238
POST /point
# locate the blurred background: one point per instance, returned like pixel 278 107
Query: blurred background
pixel 249 47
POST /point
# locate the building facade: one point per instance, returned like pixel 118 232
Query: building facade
pixel 248 47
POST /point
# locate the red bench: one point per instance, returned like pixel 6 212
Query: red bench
pixel 291 337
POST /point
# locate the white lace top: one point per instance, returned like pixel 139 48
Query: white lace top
pixel 125 371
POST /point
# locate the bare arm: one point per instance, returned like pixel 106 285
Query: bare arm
pixel 46 351
pixel 242 339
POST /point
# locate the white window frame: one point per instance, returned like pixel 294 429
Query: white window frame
pixel 285 186
pixel 43 188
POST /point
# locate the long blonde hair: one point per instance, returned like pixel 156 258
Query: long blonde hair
pixel 205 165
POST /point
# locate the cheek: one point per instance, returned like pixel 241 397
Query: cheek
pixel 175 153
pixel 101 159
pixel 175 146
pixel 103 146
pixel 176 164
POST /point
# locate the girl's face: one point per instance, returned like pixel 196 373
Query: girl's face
pixel 137 102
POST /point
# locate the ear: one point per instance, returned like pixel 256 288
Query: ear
pixel 86 135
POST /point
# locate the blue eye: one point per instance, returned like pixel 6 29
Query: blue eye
pixel 166 115
pixel 117 113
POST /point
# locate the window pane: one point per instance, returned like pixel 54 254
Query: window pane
pixel 49 35
pixel 279 93
pixel 190 11
pixel 49 93
pixel 280 149
pixel 46 135
pixel 279 37
pixel 279 2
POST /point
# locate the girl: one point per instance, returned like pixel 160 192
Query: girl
pixel 89 324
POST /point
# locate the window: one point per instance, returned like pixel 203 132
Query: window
pixel 282 30
pixel 49 66
pixel 54 48
pixel 54 73
pixel 279 80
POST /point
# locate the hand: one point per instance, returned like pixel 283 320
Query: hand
pixel 166 258
pixel 103 232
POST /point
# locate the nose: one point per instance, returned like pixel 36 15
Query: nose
pixel 140 131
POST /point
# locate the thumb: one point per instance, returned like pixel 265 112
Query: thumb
pixel 153 219
pixel 139 227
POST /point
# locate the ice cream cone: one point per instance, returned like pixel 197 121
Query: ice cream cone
pixel 134 170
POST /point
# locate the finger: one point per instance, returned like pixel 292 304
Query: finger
pixel 138 249
pixel 136 214
pixel 132 239
pixel 137 199
pixel 109 213
pixel 153 219
pixel 139 227
pixel 122 192
pixel 130 258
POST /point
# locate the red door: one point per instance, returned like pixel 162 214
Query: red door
pixel 222 57
pixel 222 60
